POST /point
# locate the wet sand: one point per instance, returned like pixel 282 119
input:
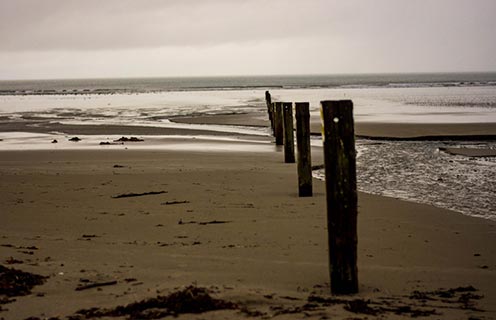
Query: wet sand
pixel 231 222
pixel 44 126
pixel 390 131
pixel 368 129
pixel 470 152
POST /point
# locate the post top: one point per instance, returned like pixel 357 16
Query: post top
pixel 343 102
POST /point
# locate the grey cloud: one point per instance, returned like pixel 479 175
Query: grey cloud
pixel 60 38
pixel 118 24
pixel 90 24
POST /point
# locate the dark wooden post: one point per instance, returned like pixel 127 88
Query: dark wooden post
pixel 278 124
pixel 340 176
pixel 268 100
pixel 289 153
pixel 304 155
pixel 273 115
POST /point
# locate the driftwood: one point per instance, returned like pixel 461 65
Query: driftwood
pixel 96 285
pixel 174 202
pixel 203 223
pixel 129 195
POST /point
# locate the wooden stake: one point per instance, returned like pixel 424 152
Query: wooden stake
pixel 289 152
pixel 304 155
pixel 278 124
pixel 340 176
pixel 268 100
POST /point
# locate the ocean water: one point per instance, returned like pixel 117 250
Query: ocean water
pixel 434 98
pixel 415 171
pixel 141 85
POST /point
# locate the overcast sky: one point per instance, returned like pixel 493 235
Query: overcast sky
pixel 139 38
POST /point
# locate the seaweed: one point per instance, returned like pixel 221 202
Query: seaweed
pixel 189 300
pixel 15 283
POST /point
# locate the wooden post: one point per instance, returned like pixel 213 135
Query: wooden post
pixel 278 124
pixel 340 176
pixel 273 115
pixel 289 152
pixel 268 100
pixel 304 155
pixel 272 111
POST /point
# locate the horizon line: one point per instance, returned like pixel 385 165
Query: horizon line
pixel 253 75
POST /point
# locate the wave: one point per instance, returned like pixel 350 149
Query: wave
pixel 151 85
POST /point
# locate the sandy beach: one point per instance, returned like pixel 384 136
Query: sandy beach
pixel 147 167
pixel 113 227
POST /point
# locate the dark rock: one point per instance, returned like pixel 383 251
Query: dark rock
pixel 126 139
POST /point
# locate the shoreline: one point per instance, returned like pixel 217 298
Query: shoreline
pixel 271 244
pixel 367 130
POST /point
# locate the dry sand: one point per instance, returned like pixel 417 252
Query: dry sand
pixel 60 219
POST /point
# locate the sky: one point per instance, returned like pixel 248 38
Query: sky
pixel 46 39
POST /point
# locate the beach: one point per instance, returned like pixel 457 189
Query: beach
pixel 227 219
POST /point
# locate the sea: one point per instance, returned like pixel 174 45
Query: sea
pixel 411 170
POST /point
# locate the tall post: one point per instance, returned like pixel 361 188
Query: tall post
pixel 304 155
pixel 340 176
pixel 278 124
pixel 273 115
pixel 268 100
pixel 289 152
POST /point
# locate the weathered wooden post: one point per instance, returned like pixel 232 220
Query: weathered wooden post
pixel 278 124
pixel 268 100
pixel 273 115
pixel 340 176
pixel 289 152
pixel 303 147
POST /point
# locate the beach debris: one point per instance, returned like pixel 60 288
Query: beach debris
pixel 129 195
pixel 168 203
pixel 131 139
pixel 54 141
pixel 118 166
pixel 15 282
pixel 190 300
pixel 75 139
pixel 107 143
pixel 280 310
pixel 12 260
pixel 30 248
pixel 203 223
pixel 318 167
pixel 361 306
pixel 175 243
pixel 89 236
pixel 94 285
